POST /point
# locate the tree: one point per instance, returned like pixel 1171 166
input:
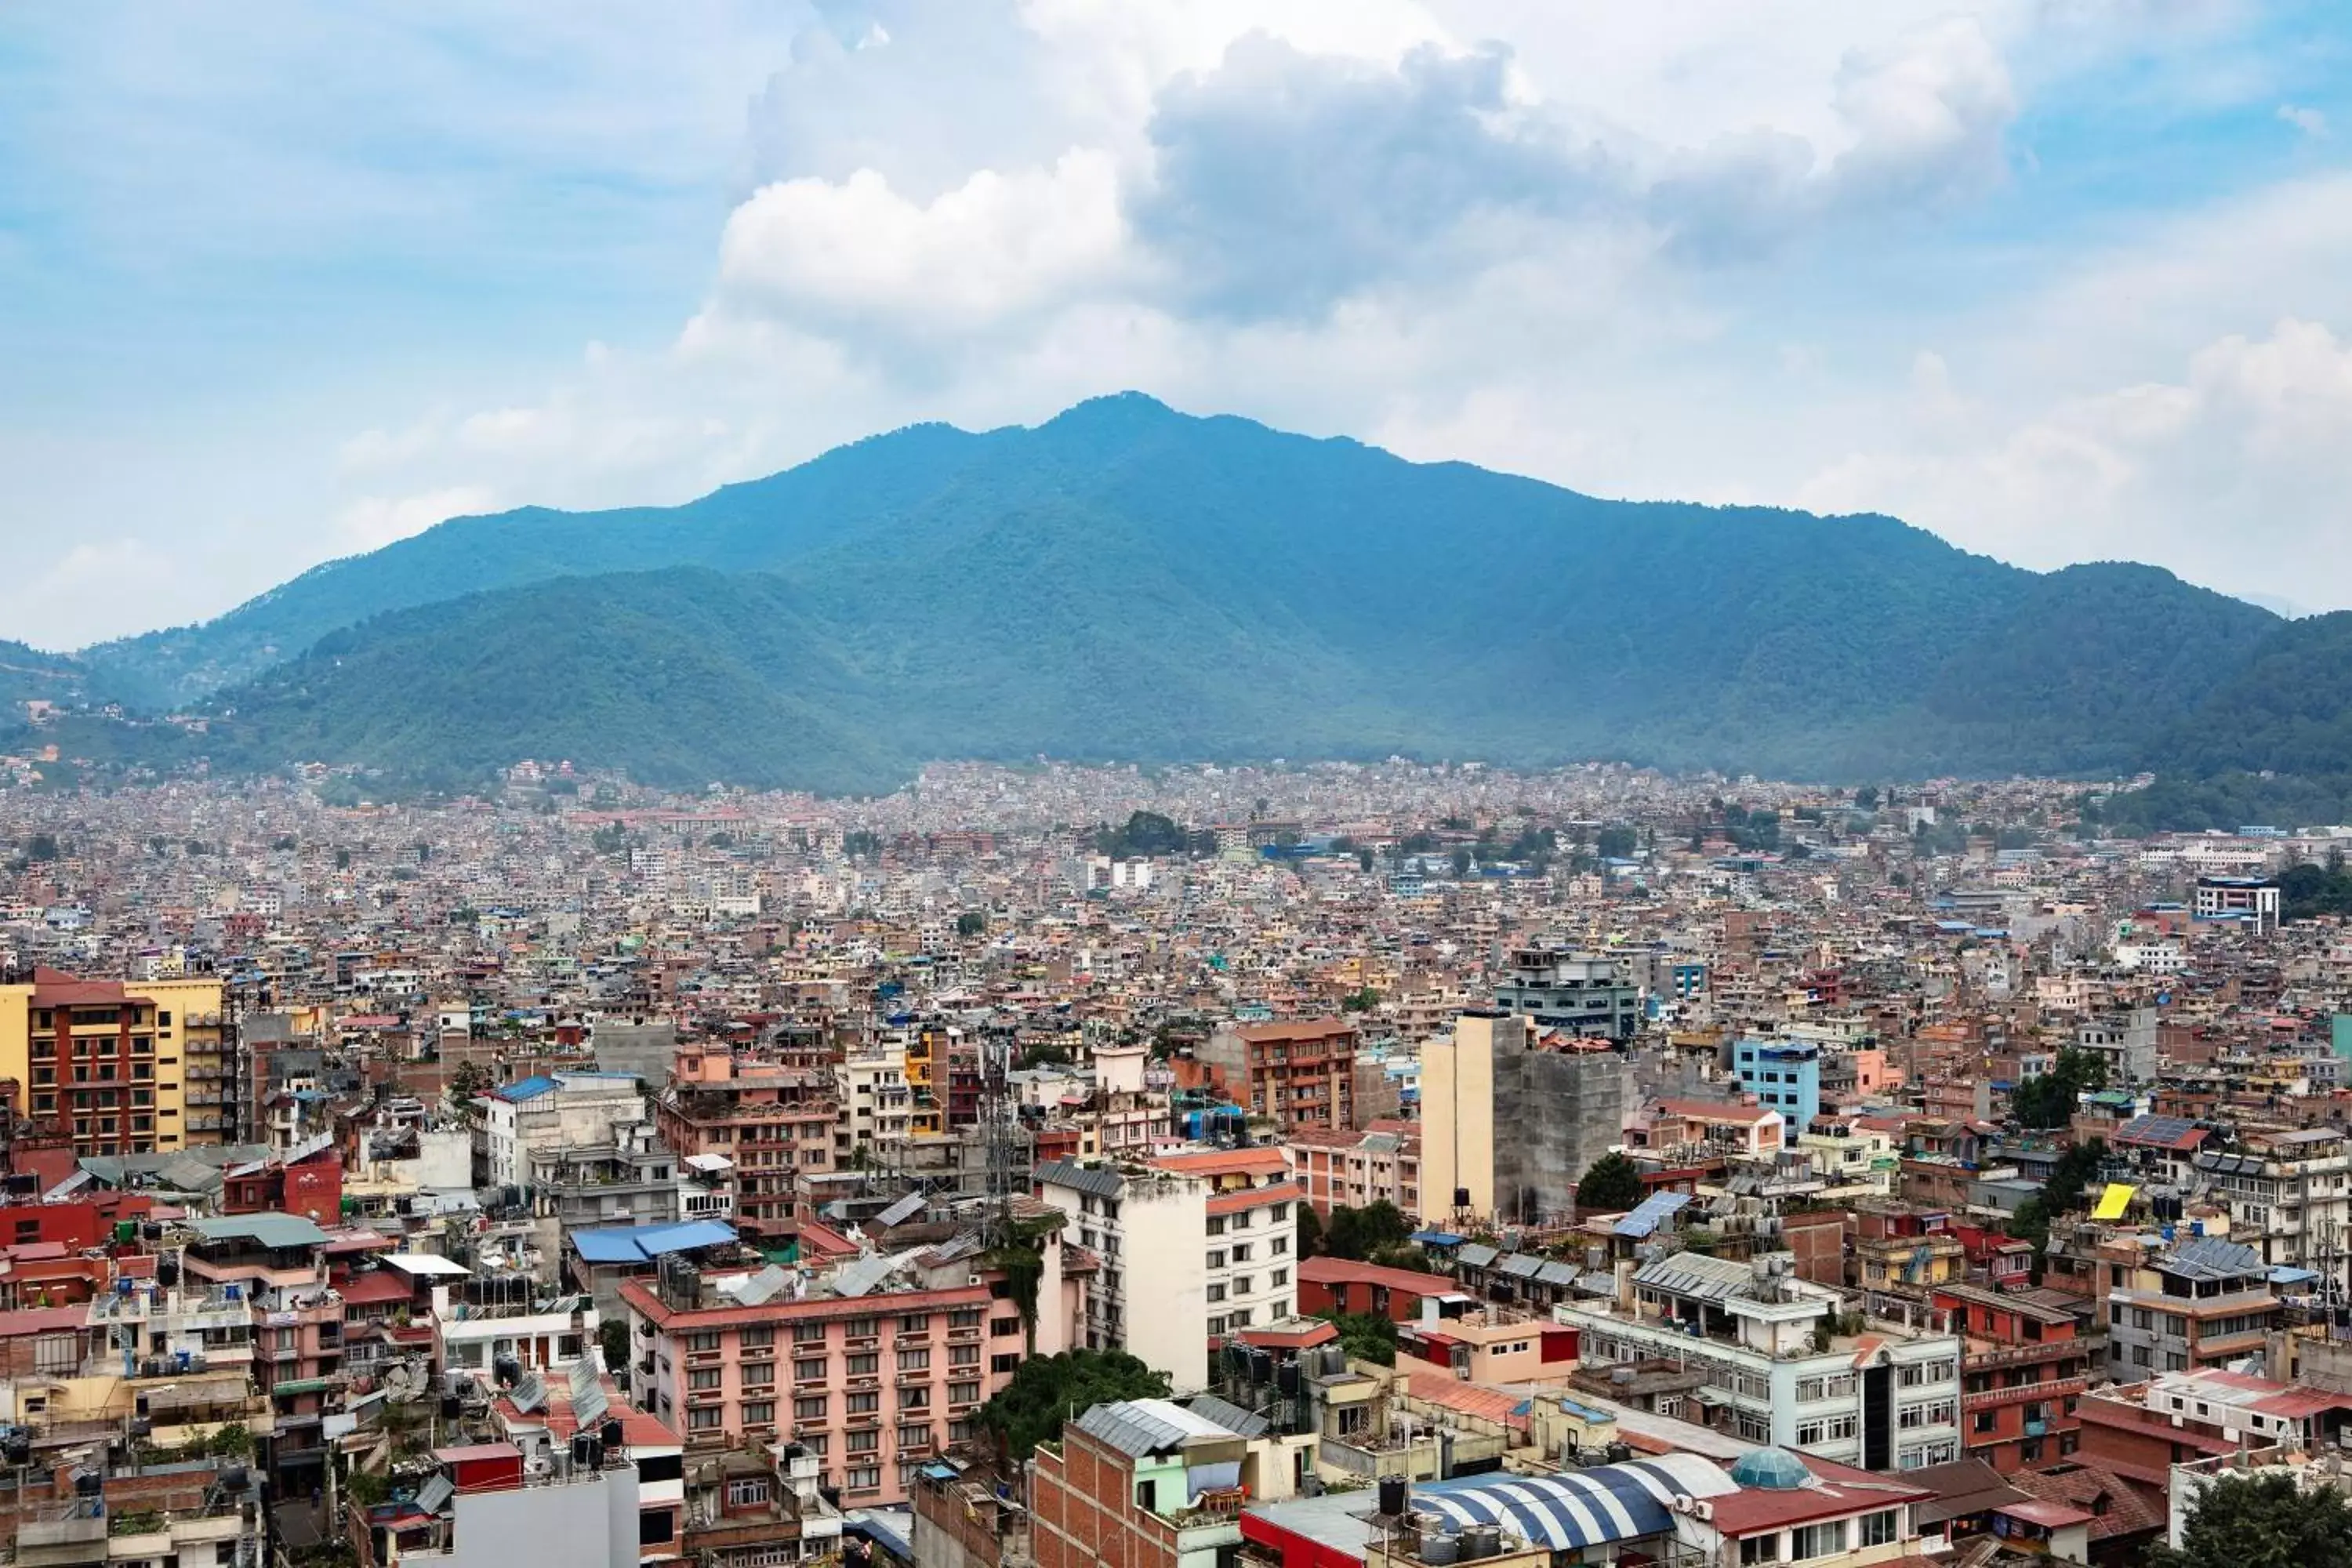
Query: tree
pixel 613 1338
pixel 1461 863
pixel 2262 1521
pixel 2050 1100
pixel 1366 1336
pixel 1614 843
pixel 1357 1234
pixel 41 846
pixel 469 1083
pixel 1612 1185
pixel 1048 1390
pixel 1362 1001
pixel 1146 833
pixel 1310 1231
pixel 971 923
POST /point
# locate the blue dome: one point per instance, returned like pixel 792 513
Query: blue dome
pixel 1771 1471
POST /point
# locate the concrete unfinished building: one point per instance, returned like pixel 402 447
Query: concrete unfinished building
pixel 1508 1125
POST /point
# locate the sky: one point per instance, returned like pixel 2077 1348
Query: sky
pixel 2060 279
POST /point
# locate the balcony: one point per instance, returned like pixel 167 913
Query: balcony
pixel 2025 1393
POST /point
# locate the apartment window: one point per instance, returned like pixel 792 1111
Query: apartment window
pixel 808 1372
pixel 863 1479
pixel 1752 1427
pixel 916 1396
pixel 705 1340
pixel 810 1409
pixel 1216 1325
pixel 759 1413
pixel 914 1322
pixel 703 1418
pixel 1216 1261
pixel 1003 1328
pixel 865 1404
pixel 755 1339
pixel 1011 1364
pixel 865 1365
pixel 963 1356
pixel 1242 1287
pixel 1216 1224
pixel 964 1318
pixel 862 1327
pixel 808 1334
pixel 703 1377
pixel 758 1373
pixel 1278 1245
pixel 1242 1252
pixel 749 1492
pixel 1216 1292
pixel 1755 1549
pixel 1882 1529
pixel 913 1437
pixel 914 1361
pixel 1279 1277
pixel 868 1441
pixel 964 1393
pixel 1817 1540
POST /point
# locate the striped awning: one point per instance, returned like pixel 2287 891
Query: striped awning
pixel 1577 1508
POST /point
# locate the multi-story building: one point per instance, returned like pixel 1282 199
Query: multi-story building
pixel 2205 1304
pixel 541 1115
pixel 2024 1368
pixel 2140 1430
pixel 873 1367
pixel 1150 1484
pixel 1784 1075
pixel 1580 992
pixel 1885 1399
pixel 1193 1247
pixel 2289 1194
pixel 102 1064
pixel 488 1509
pixel 775 1121
pixel 277 1266
pixel 1510 1124
pixel 1299 1073
pixel 2249 901
pixel 1352 1170
pixel 877 1104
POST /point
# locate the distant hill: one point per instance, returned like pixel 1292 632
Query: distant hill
pixel 1129 582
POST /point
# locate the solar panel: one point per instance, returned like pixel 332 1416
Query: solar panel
pixel 530 1393
pixel 905 1209
pixel 435 1493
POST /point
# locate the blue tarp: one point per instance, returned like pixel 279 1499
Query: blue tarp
pixel 634 1244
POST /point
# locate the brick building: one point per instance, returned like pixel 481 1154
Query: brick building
pixel 2024 1367
pixel 774 1121
pixel 1301 1073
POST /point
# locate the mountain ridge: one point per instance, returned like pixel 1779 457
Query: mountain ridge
pixel 1124 581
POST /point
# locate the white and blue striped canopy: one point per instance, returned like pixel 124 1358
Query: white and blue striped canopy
pixel 1577 1508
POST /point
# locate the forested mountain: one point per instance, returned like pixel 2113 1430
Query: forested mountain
pixel 1128 582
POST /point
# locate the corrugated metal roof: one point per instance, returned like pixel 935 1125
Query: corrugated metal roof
pixel 905 1209
pixel 1578 1508
pixel 1101 1183
pixel 1229 1416
pixel 1650 1214
pixel 1139 1426
pixel 1476 1254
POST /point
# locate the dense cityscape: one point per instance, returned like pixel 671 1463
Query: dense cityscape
pixel 1058 1165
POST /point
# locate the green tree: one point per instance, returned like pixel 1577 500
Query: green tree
pixel 613 1338
pixel 1310 1231
pixel 2050 1100
pixel 1357 1234
pixel 2262 1521
pixel 1611 1187
pixel 1048 1390
pixel 41 846
pixel 1461 863
pixel 1146 833
pixel 1362 1001
pixel 469 1083
pixel 971 923
pixel 1366 1336
pixel 1613 843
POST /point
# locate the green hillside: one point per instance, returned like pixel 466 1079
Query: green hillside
pixel 1128 582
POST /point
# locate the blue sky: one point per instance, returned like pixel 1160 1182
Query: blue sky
pixel 2062 279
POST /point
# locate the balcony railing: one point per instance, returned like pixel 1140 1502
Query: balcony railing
pixel 2025 1393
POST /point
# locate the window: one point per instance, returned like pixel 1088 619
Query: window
pixel 913 1437
pixel 916 1396
pixel 1279 1245
pixel 964 1393
pixel 1241 1252
pixel 1216 1325
pixel 864 1404
pixel 705 1340
pixel 914 1322
pixel 863 1478
pixel 1882 1529
pixel 1279 1277
pixel 866 1442
pixel 1216 1292
pixel 914 1361
pixel 866 1365
pixel 808 1372
pixel 703 1377
pixel 1243 1286
pixel 1003 1328
pixel 810 1409
pixel 1817 1540
pixel 755 1339
pixel 802 1334
pixel 1216 1261
pixel 1752 1427
pixel 1825 1429
pixel 964 1318
pixel 703 1418
pixel 1755 1549
pixel 1216 1224
pixel 749 1492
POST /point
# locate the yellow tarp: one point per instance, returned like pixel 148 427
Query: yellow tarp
pixel 2113 1202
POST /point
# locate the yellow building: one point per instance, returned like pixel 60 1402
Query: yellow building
pixel 107 1065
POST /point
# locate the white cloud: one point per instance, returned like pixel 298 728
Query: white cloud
pixel 2310 121
pixel 372 521
pixel 860 258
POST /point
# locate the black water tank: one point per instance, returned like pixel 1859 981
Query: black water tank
pixel 153 1230
pixel 595 1453
pixel 167 1271
pixel 1392 1495
pixel 451 1407
pixel 1286 1379
pixel 580 1441
pixel 1261 1367
pixel 613 1434
pixel 235 1479
pixel 508 1370
pixel 89 1483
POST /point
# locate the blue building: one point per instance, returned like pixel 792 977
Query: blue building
pixel 1784 1076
